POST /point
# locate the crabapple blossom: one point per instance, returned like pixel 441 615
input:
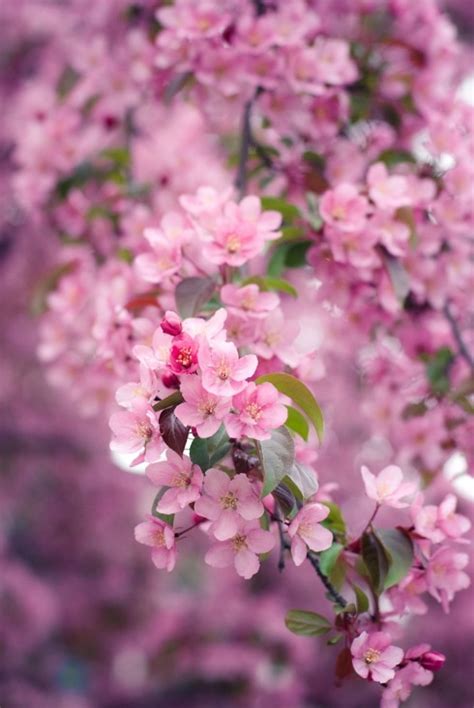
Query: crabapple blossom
pixel 202 410
pixel 255 412
pixel 374 656
pixel 305 531
pixel 183 354
pixel 249 299
pixel 136 430
pixel 388 487
pixel 227 501
pixel 224 373
pixel 438 523
pixel 241 549
pixel 183 479
pixel 387 191
pixel 344 208
pixel 445 575
pixel 171 324
pixel 160 536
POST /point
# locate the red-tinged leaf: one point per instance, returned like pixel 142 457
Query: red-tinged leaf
pixel 138 303
pixel 344 666
pixel 174 433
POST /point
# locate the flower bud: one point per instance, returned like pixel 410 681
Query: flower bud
pixel 169 379
pixel 432 660
pixel 171 323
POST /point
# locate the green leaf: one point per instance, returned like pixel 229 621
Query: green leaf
pixel 287 210
pixel 295 256
pixel 334 640
pixel 302 481
pixel 191 294
pixel 361 599
pixel 297 423
pixel 400 550
pixel 328 559
pixel 120 156
pixel 335 521
pixel 206 452
pixel 170 401
pixel 276 458
pixel 268 283
pixel 438 368
pixel 301 395
pixel 314 217
pixel 199 453
pixel 276 263
pixel 307 624
pixel 376 559
pixel 285 497
pixel 393 157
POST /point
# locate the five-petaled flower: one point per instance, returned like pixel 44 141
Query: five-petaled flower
pixel 306 532
pixel 374 656
pixel 183 479
pixel 160 536
pixel 242 549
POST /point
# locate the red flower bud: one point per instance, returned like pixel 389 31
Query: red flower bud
pixel 432 660
pixel 170 380
pixel 171 324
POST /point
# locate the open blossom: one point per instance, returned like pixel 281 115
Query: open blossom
pixel 256 411
pixel 388 487
pixel 226 501
pixel 165 256
pixel 306 531
pixel 183 354
pixel 344 208
pixel 400 687
pixel 374 656
pixel 249 299
pixel 201 410
pixel 406 595
pixel 438 523
pixel 240 232
pixel 223 371
pixel 160 536
pixel 241 549
pixel 136 430
pixel 183 479
pixel 388 191
pixel 445 575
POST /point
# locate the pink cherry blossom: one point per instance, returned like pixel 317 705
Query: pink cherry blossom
pixel 227 501
pixel 256 411
pixel 445 575
pixel 223 371
pixel 374 657
pixel 241 549
pixel 388 191
pixel 388 487
pixel 165 256
pixel 344 208
pixel 183 354
pixel 201 410
pixel 400 687
pixel 183 478
pixel 249 299
pixel 160 536
pixel 438 523
pixel 136 430
pixel 306 532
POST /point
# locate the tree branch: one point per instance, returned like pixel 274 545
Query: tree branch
pixel 335 596
pixel 463 350
pixel 245 142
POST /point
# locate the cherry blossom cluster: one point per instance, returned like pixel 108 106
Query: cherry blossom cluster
pixel 338 265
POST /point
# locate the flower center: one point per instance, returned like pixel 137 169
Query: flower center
pixel 233 243
pixel 371 656
pixel 338 213
pixel 229 501
pixel 207 407
pixel 185 357
pixel 239 542
pixel 144 430
pixel 253 410
pixel 181 480
pixel 159 537
pixel 223 371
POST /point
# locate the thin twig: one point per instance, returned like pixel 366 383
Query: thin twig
pixel 463 350
pixel 335 596
pixel 241 178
